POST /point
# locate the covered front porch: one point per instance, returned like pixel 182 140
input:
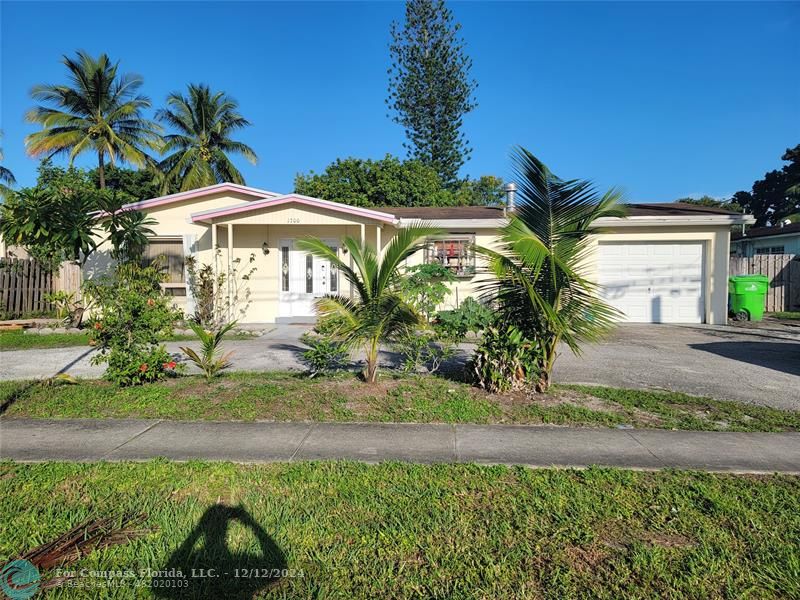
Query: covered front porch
pixel 286 280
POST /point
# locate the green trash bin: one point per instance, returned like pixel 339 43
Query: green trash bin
pixel 747 295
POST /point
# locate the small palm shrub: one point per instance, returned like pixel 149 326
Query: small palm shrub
pixel 324 354
pixel 378 312
pixel 538 264
pixel 211 361
pixel 504 359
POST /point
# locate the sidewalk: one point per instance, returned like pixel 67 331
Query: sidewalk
pixel 34 440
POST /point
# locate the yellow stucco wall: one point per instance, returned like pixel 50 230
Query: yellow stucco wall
pixel 252 230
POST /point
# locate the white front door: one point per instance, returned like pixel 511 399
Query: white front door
pixel 654 283
pixel 303 278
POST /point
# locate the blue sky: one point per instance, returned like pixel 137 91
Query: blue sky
pixel 662 99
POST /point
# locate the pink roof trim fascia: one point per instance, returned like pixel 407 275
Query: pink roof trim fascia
pixel 198 193
pixel 316 202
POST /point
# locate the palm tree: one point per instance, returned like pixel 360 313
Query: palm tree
pixel 98 111
pixel 378 313
pixel 539 287
pixel 6 176
pixel 203 122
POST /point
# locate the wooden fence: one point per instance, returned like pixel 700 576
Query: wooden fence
pixel 24 285
pixel 783 271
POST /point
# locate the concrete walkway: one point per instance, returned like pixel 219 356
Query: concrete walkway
pixel 34 440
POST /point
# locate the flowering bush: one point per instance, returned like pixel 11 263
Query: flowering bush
pixel 131 315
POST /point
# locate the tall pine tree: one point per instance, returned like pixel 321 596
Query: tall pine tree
pixel 430 89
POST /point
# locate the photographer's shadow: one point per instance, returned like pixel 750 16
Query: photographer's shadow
pixel 205 567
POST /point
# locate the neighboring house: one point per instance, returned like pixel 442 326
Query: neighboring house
pixel 663 263
pixel 767 240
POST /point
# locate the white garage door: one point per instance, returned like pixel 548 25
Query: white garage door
pixel 654 283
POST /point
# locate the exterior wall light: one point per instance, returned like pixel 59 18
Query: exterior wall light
pixel 265 248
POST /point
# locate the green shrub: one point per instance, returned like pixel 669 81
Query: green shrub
pixel 504 359
pixel 324 355
pixel 472 316
pixel 131 314
pixel 426 348
pixel 222 297
pixel 426 286
pixel 210 361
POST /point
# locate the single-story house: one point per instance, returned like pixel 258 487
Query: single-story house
pixel 663 263
pixel 781 239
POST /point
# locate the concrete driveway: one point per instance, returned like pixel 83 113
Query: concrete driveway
pixel 755 365
pixel 758 365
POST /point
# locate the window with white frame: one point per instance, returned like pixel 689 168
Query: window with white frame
pixel 455 252
pixel 168 254
pixel 770 250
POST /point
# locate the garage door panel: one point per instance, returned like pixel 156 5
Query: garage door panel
pixel 658 283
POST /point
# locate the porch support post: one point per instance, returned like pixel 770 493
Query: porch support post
pixel 379 248
pixel 363 232
pixel 230 270
pixel 214 254
pixel 350 257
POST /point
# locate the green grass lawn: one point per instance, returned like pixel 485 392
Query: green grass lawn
pixel 346 530
pixel 423 399
pixel 17 340
pixel 787 315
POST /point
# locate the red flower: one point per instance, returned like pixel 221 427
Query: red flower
pixel 143 367
pixel 170 365
pixel 97 325
pixel 150 302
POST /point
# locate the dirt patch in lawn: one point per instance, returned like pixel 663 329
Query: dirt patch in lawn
pixel 666 540
pixel 520 401
pixel 613 535
pixel 586 559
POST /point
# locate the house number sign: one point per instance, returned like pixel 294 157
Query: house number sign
pixel 293 220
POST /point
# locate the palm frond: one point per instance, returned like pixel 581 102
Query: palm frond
pixel 539 286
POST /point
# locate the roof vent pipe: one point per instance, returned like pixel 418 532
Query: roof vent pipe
pixel 511 191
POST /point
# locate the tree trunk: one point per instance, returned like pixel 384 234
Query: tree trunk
pixel 371 370
pixel 546 374
pixel 101 168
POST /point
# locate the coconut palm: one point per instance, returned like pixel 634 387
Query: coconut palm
pixel 378 312
pixel 539 287
pixel 98 111
pixel 201 144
